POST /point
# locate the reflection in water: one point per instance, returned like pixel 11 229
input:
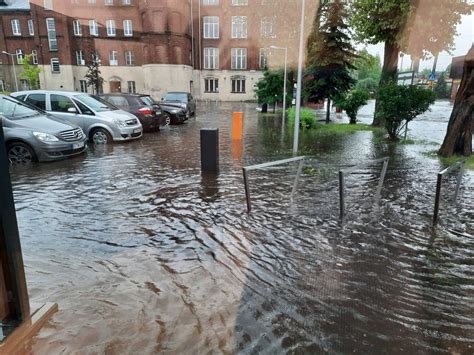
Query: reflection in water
pixel 144 253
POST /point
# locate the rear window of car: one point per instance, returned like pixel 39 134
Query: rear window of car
pixel 176 97
pixel 117 100
pixel 147 100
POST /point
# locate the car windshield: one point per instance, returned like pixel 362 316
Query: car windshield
pixel 173 96
pixel 15 110
pixel 147 100
pixel 96 103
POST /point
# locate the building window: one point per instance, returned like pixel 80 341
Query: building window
pixel 267 27
pixel 76 25
pixel 20 56
pixel 111 31
pixel 51 28
pixel 90 2
pixel 239 26
pixel 48 4
pixel 211 58
pixel 83 85
pixel 55 68
pixel 210 2
pixel 211 85
pixel 131 87
pixel 129 58
pixel 108 2
pixel 239 58
pixel 34 56
pixel 211 26
pixel 93 28
pixel 238 85
pixel 113 58
pixel 16 27
pixel 239 2
pixel 80 58
pixel 126 2
pixel 127 28
pixel 31 28
pixel 263 61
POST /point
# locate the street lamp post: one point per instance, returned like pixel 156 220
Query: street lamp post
pixel 299 81
pixel 14 70
pixel 284 80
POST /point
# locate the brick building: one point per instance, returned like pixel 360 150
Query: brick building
pixel 214 48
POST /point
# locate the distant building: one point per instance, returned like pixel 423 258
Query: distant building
pixel 215 49
pixel 457 68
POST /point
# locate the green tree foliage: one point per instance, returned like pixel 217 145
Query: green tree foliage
pixel 330 55
pixel 31 72
pixel 368 71
pixel 398 105
pixel 441 89
pixel 353 101
pixel 93 76
pixel 307 117
pixel 270 88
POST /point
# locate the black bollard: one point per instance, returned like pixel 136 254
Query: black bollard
pixel 14 304
pixel 210 150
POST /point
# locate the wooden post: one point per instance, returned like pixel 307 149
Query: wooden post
pixel 14 304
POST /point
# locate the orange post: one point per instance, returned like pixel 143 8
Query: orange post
pixel 237 126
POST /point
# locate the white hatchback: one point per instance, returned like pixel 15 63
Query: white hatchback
pixel 100 121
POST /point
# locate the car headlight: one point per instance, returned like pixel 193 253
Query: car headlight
pixel 120 123
pixel 45 137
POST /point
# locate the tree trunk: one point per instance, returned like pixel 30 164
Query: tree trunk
pixel 416 64
pixel 435 63
pixel 458 139
pixel 264 108
pixel 389 72
pixel 328 111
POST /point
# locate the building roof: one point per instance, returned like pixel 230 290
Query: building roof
pixel 14 5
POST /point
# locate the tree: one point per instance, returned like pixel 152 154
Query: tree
pixel 93 75
pixel 330 55
pixel 441 88
pixel 30 72
pixel 270 88
pixel 353 102
pixel 368 71
pixel 458 139
pixel 398 105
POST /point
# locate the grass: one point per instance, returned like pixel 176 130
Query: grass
pixel 452 160
pixel 344 128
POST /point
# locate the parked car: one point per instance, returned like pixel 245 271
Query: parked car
pixel 148 111
pixel 33 135
pixel 181 99
pixel 101 121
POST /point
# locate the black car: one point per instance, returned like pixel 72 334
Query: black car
pixel 150 114
pixel 181 99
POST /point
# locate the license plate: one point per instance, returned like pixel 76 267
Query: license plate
pixel 137 130
pixel 77 145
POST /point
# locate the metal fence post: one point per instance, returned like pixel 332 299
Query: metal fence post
pixel 297 178
pixel 458 182
pixel 341 194
pixel 437 197
pixel 247 191
pixel 382 179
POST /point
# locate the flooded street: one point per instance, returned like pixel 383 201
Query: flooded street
pixel 143 254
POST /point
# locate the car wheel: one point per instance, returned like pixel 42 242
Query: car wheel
pixel 167 119
pixel 20 153
pixel 101 136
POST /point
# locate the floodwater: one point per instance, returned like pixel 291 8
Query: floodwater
pixel 145 255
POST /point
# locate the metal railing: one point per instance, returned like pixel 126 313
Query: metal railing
pixel 342 173
pixel 459 165
pixel 246 169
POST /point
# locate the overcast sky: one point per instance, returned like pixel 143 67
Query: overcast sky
pixel 463 43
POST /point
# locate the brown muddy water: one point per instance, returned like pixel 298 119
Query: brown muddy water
pixel 145 255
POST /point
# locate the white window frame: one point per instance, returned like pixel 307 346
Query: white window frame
pixel 16 27
pixel 80 60
pixel 126 2
pixel 240 85
pixel 34 56
pixel 239 26
pixel 210 2
pixel 129 58
pixel 131 87
pixel 262 59
pixel 20 56
pixel 31 27
pixel 83 85
pixel 91 1
pixel 108 2
pixel 240 2
pixel 268 27
pixel 113 58
pixel 211 85
pixel 52 39
pixel 239 58
pixel 55 60
pixel 93 28
pixel 211 58
pixel 127 28
pixel 210 27
pixel 77 27
pixel 111 28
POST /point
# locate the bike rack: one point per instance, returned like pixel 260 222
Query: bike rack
pixel 246 169
pixel 385 161
pixel 459 165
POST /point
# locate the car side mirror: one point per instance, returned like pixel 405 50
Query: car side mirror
pixel 72 110
pixel 162 99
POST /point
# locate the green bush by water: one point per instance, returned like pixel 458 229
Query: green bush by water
pixel 307 117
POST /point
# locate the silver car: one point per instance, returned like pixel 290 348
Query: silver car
pixel 101 121
pixel 34 135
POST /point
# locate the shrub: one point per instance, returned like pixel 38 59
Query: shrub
pixel 353 102
pixel 307 117
pixel 368 84
pixel 399 103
